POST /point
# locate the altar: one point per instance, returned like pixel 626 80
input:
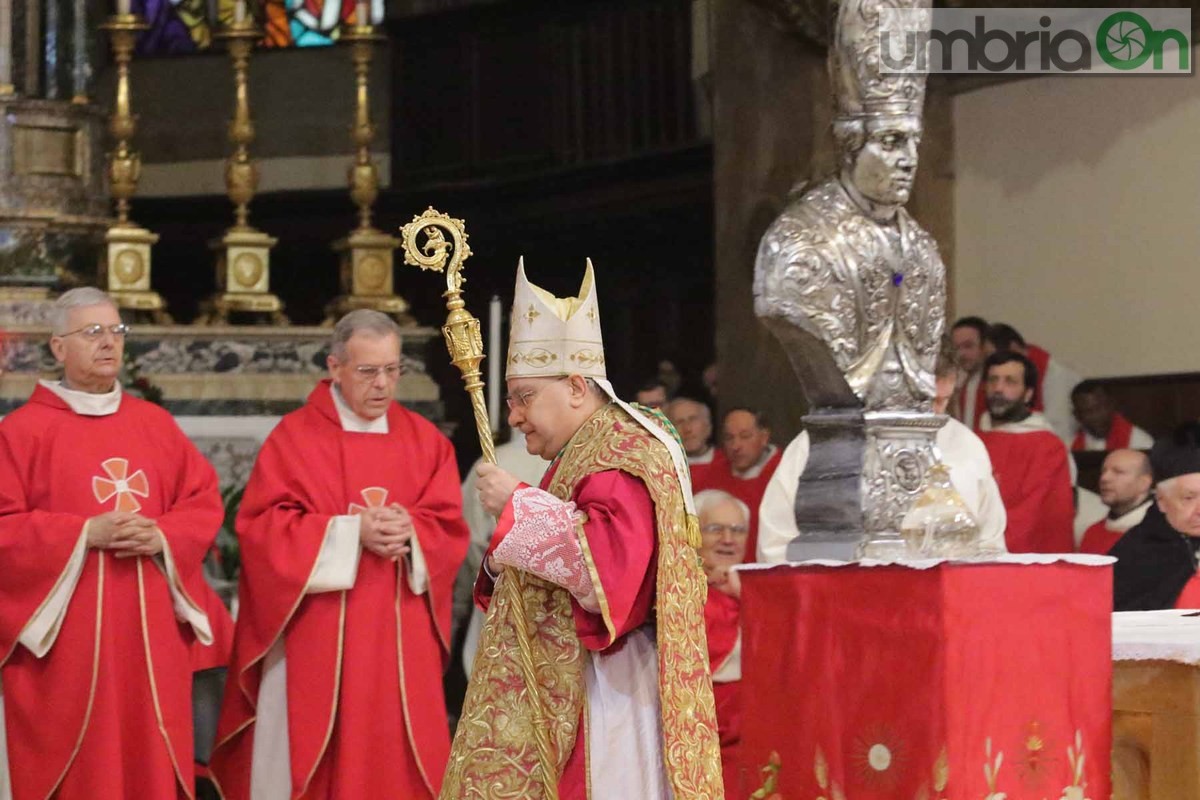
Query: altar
pixel 1156 705
pixel 928 679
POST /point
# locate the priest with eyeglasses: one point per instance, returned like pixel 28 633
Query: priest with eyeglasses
pixel 352 532
pixel 106 511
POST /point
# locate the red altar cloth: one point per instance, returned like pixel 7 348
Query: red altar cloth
pixel 957 682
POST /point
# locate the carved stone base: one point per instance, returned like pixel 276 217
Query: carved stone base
pixel 864 471
pixel 900 449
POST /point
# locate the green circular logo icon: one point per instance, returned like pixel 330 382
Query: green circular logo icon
pixel 1125 40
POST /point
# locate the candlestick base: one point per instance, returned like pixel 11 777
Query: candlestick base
pixel 125 271
pixel 367 277
pixel 243 278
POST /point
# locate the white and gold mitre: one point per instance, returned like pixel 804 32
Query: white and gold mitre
pixel 551 336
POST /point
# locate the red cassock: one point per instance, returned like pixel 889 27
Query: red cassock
pixel 366 712
pixel 749 490
pixel 620 531
pixel 106 712
pixel 1035 484
pixel 722 625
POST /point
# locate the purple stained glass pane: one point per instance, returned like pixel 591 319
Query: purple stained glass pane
pixel 168 34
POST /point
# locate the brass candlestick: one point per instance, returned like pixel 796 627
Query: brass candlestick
pixel 366 255
pixel 446 248
pixel 243 253
pixel 126 267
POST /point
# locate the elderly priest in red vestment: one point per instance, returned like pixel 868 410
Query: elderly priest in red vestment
pixel 106 511
pixel 591 679
pixel 351 530
pixel 724 527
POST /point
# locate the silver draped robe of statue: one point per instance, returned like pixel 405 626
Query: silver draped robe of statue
pixel 872 293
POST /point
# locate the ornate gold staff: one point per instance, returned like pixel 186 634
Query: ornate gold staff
pixel 465 343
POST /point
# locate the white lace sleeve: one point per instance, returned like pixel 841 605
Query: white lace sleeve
pixel 544 542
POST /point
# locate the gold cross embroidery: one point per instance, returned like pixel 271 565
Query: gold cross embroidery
pixel 531 314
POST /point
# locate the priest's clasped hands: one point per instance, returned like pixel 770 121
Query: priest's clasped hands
pixel 386 531
pixel 125 533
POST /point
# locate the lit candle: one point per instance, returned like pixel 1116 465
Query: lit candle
pixel 239 12
pixel 123 7
pixel 493 359
pixel 364 12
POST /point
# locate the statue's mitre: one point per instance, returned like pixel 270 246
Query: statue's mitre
pixel 862 87
pixel 551 336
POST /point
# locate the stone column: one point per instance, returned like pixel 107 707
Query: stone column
pixel 6 43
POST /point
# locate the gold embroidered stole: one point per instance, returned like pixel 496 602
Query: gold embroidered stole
pixel 530 630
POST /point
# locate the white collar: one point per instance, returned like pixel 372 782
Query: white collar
pixel 87 404
pixel 1130 518
pixel 703 458
pixel 352 422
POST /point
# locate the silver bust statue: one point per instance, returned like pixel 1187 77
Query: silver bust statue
pixel 855 290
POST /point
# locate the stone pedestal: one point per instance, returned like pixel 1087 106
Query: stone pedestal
pixel 53 210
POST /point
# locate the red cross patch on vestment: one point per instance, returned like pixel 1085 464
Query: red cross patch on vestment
pixel 373 496
pixel 121 484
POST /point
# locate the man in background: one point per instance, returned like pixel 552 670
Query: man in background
pixel 1029 461
pixel 748 464
pixel 1052 395
pixel 967 335
pixel 1101 426
pixel 1125 483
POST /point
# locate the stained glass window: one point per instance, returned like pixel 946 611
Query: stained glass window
pixel 187 26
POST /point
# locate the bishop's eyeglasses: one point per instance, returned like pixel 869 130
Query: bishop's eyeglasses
pixel 93 332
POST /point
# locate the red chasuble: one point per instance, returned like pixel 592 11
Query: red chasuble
pixel 722 624
pixel 107 711
pixel 750 491
pixel 1035 484
pixel 366 712
pixel 620 531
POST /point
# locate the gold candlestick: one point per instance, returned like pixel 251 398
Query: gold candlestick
pixel 243 253
pixel 465 343
pixel 367 255
pixel 126 267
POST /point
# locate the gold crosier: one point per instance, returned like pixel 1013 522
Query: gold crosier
pixel 465 343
